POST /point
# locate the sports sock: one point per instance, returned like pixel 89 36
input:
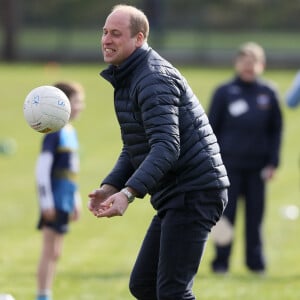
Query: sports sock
pixel 45 295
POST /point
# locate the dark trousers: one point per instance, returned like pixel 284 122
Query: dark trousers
pixel 173 247
pixel 250 185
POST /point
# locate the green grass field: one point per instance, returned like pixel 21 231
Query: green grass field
pixel 98 254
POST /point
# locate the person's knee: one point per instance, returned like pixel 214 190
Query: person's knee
pixel 163 294
pixel 173 290
pixel 56 255
pixel 135 290
pixel 52 254
pixel 141 290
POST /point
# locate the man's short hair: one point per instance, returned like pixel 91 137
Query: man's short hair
pixel 138 20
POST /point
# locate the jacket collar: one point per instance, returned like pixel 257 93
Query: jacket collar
pixel 115 74
pixel 237 80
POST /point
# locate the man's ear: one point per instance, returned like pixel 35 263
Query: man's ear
pixel 140 39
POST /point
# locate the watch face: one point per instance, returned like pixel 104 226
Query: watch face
pixel 129 195
pixel 130 199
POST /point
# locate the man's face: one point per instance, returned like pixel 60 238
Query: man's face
pixel 117 42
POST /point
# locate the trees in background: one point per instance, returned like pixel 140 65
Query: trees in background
pixel 164 16
pixel 10 23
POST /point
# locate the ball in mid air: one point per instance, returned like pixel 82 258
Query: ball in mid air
pixel 46 109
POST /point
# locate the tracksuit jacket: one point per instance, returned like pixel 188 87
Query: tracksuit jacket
pixel 247 121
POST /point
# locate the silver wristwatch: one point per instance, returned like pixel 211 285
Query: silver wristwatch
pixel 129 195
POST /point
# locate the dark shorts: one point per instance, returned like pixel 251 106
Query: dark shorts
pixel 60 224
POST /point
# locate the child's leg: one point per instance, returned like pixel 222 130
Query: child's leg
pixel 51 251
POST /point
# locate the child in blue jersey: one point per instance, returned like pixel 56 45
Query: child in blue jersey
pixel 59 198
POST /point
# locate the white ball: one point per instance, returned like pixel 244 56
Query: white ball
pixel 47 109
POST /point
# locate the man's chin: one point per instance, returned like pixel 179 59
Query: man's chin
pixel 108 60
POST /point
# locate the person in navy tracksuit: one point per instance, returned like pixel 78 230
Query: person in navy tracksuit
pixel 247 120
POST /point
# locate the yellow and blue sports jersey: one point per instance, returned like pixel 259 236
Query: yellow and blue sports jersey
pixel 63 147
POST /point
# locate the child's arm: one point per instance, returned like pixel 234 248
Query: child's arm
pixel 77 207
pixel 43 179
pixel 293 95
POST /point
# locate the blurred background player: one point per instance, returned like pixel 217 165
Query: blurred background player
pixel 247 121
pixel 59 198
pixel 293 95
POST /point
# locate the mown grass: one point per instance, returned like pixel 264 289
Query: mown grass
pixel 98 254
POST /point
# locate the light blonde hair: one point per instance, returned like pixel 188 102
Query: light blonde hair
pixel 252 49
pixel 138 20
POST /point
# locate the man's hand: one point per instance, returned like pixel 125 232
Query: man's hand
pixel 49 214
pixel 97 197
pixel 75 215
pixel 115 205
pixel 268 173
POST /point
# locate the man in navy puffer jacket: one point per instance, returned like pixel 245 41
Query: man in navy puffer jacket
pixel 169 151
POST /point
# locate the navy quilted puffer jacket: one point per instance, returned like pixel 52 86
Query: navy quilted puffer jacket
pixel 168 144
